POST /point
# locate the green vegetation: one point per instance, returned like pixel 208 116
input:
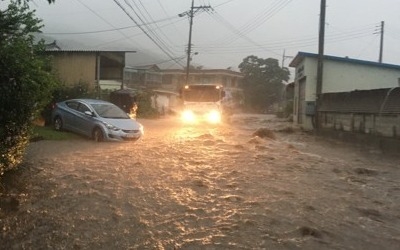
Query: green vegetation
pixel 48 133
pixel 263 82
pixel 145 110
pixel 25 81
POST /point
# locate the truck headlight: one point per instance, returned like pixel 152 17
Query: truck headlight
pixel 214 116
pixel 188 116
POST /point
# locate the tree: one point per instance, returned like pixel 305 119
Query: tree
pixel 25 80
pixel 263 81
pixel 26 1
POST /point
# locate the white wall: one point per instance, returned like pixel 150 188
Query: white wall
pixel 310 73
pixel 339 76
pixel 345 77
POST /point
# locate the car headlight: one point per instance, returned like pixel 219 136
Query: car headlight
pixel 110 127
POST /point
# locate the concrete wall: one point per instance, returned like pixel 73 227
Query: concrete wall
pixel 380 125
pixel 387 145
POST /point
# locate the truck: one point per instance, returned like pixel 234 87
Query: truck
pixel 203 103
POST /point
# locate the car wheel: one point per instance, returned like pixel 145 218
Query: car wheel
pixel 98 135
pixel 58 123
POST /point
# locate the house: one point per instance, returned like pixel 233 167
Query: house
pixel 147 76
pixel 165 84
pixel 173 78
pixel 340 74
pixel 99 69
pixel 152 77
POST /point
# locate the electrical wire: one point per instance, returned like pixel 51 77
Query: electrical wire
pixel 145 15
pixel 283 44
pixel 165 12
pixel 147 34
pixel 99 16
pixel 138 13
pixel 257 21
pixel 107 30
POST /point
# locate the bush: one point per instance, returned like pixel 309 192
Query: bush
pixel 25 81
pixel 61 93
pixel 145 109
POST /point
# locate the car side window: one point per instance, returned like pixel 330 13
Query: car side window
pixel 73 105
pixel 83 108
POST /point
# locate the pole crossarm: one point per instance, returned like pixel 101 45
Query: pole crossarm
pixel 193 10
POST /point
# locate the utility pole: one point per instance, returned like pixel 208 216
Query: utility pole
pixel 193 10
pixel 381 44
pixel 284 56
pixel 320 68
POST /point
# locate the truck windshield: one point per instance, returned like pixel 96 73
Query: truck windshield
pixel 201 94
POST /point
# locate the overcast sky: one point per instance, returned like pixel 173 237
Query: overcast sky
pixel 226 32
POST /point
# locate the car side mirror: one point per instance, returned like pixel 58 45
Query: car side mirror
pixel 88 113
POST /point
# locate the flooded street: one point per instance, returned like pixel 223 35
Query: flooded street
pixel 204 187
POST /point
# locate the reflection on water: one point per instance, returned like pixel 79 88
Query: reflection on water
pixel 205 187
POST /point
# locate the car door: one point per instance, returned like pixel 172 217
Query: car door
pixel 83 122
pixel 68 115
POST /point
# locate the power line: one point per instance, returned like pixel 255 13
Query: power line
pixel 99 16
pixel 143 19
pixel 106 30
pixel 190 14
pixel 279 45
pixel 153 31
pixel 165 12
pixel 146 33
pixel 261 18
pixel 238 32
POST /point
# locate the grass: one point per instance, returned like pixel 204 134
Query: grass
pixel 48 133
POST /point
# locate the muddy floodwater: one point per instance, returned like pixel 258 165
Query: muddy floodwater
pixel 203 187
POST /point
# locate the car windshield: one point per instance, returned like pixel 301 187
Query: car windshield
pixel 109 111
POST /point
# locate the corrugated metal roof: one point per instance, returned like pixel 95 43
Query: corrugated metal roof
pixel 378 101
pixel 144 67
pixel 301 55
pixel 89 50
pixel 57 47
